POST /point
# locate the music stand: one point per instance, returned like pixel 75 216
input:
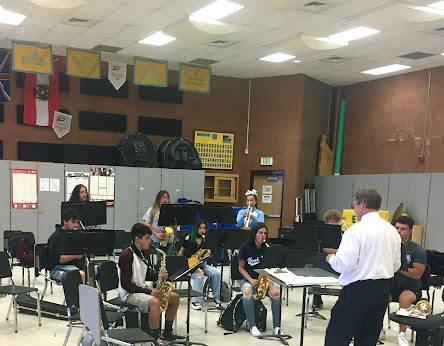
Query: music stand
pixel 179 276
pixel 307 237
pixel 92 213
pixel 330 236
pixel 217 214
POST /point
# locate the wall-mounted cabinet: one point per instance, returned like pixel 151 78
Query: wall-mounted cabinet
pixel 221 187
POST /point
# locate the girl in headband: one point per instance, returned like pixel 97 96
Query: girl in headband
pixel 249 216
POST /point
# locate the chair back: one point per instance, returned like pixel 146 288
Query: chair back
pixel 15 240
pixel 234 269
pixel 7 235
pixel 71 281
pixel 5 269
pixel 175 264
pixel 40 258
pixel 107 276
pixel 90 311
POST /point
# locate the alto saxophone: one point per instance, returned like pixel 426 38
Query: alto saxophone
pixel 168 234
pixel 198 256
pixel 263 284
pixel 164 286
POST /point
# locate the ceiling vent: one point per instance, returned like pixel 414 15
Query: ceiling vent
pixel 334 59
pixel 205 62
pixel 86 23
pixel 105 48
pixel 314 3
pixel 416 55
pixel 222 43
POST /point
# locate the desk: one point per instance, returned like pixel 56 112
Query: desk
pixel 306 272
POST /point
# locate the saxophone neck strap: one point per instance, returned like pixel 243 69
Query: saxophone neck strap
pixel 140 255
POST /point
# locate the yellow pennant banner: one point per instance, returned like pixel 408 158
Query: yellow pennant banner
pixel 150 72
pixel 82 63
pixel 195 78
pixel 31 57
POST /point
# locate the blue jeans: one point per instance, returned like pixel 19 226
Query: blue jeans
pixel 248 303
pixel 197 282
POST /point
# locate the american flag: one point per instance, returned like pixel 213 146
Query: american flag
pixel 5 75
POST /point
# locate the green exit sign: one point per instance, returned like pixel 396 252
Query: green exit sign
pixel 267 161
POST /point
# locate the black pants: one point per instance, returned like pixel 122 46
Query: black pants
pixel 358 313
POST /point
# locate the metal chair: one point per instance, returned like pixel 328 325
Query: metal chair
pixel 94 319
pixel 13 244
pixel 14 290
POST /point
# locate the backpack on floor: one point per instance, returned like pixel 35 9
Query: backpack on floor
pixel 233 316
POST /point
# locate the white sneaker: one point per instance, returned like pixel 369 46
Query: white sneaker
pixel 216 303
pixel 382 335
pixel 255 332
pixel 196 306
pixel 276 330
pixel 402 341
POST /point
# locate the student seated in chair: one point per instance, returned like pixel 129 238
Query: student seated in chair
pixel 191 244
pixel 406 287
pixel 250 256
pixel 134 270
pixel 59 264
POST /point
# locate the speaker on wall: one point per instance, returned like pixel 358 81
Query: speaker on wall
pixel 102 121
pixel 102 87
pixel 2 112
pixel 160 126
pixel 170 94
pixel 1 150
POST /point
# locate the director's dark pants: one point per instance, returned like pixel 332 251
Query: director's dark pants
pixel 358 313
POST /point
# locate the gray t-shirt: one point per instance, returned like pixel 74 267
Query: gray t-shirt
pixel 154 223
pixel 410 253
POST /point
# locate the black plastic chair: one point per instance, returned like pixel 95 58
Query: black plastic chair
pixel 14 290
pixel 90 314
pixel 234 274
pixel 122 239
pixel 13 243
pixel 107 279
pixel 7 235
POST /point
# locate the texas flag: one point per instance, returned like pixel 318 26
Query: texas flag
pixel 41 97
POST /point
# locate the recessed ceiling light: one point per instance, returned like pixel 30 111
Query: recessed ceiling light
pixel 9 17
pixel 218 9
pixel 277 57
pixel 386 69
pixel 354 34
pixel 438 5
pixel 297 61
pixel 157 39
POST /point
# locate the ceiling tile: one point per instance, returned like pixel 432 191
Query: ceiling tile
pixel 28 34
pixel 97 9
pixel 185 7
pixel 104 29
pixel 159 19
pixel 58 37
pixel 128 14
pixel 133 33
pixel 85 42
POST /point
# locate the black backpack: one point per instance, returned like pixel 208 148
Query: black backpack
pixel 233 316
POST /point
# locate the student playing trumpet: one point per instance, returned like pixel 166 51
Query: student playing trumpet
pixel 249 216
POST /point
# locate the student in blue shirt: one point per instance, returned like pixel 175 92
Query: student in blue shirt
pixel 247 219
pixel 250 256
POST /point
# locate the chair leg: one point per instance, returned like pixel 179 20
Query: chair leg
pixel 81 335
pixel 306 310
pixel 39 311
pixel 29 278
pixel 9 309
pixel 388 316
pixel 44 288
pixel 68 333
pixel 15 314
pixel 23 276
pixel 287 297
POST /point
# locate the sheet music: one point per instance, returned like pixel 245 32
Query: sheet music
pixel 292 279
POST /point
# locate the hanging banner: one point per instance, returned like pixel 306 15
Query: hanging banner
pixel 5 75
pixel 195 78
pixel 150 72
pixel 24 188
pixel 117 74
pixel 82 63
pixel 41 97
pixel 61 124
pixel 32 57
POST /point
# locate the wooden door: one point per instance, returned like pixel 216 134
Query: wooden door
pixel 269 199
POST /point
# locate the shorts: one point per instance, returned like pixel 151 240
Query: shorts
pixel 141 300
pixel 59 271
pixel 396 290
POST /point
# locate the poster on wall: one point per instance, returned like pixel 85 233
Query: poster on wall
pixel 73 179
pixel 24 188
pixel 101 185
pixel 215 149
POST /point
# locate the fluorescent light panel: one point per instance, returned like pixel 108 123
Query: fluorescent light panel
pixel 386 69
pixel 354 34
pixel 157 39
pixel 438 5
pixel 277 57
pixel 9 17
pixel 218 9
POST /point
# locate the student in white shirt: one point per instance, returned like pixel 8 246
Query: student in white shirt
pixel 368 257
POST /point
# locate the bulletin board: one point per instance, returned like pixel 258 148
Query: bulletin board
pixel 24 188
pixel 215 149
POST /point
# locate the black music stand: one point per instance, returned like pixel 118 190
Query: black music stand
pixel 177 214
pixel 217 214
pixel 92 213
pixel 330 236
pixel 179 276
pixel 274 257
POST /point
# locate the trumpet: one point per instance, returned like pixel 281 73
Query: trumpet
pixel 168 233
pixel 248 217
